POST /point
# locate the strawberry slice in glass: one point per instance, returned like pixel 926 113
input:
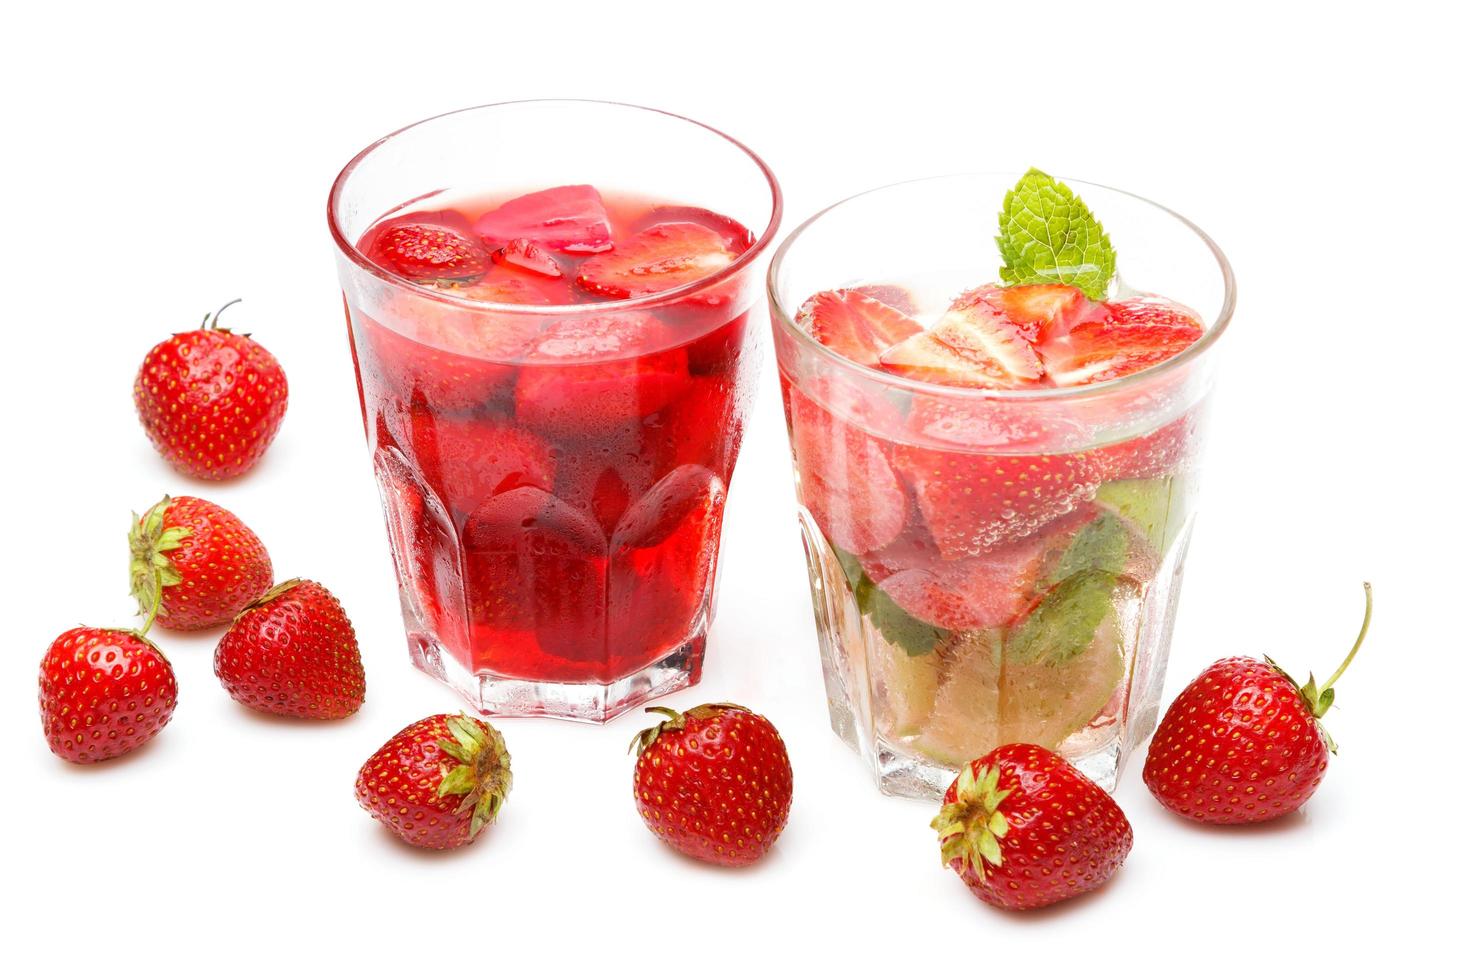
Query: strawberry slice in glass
pixel 569 219
pixel 848 482
pixel 662 257
pixel 592 375
pixel 855 324
pixel 975 345
pixel 1136 334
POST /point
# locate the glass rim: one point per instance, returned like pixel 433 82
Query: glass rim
pixel 351 251
pixel 789 326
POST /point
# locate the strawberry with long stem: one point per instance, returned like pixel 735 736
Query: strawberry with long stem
pixel 1244 742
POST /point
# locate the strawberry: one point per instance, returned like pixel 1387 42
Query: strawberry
pixel 975 344
pixel 1243 742
pixel 988 590
pixel 1023 829
pixel 713 783
pixel 1154 454
pixel 656 259
pixel 1137 333
pixel 569 219
pixel 210 400
pixel 1042 309
pixel 196 563
pixel 737 237
pixel 427 253
pixel 846 475
pixel 855 324
pixel 973 502
pixel 467 461
pixel 439 782
pixel 104 692
pixel 586 377
pixel 293 652
pixel 526 255
pixel 895 296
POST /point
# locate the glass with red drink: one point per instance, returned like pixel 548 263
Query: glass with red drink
pixel 549 308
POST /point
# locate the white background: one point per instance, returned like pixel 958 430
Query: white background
pixel 160 162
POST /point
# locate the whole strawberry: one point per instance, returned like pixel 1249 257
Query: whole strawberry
pixel 104 692
pixel 1244 742
pixel 210 400
pixel 1023 828
pixel 713 783
pixel 439 782
pixel 196 562
pixel 293 652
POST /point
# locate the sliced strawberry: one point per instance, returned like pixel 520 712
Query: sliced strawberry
pixel 569 219
pixel 661 573
pixel 1157 453
pixel 588 377
pixel 1138 333
pixel 506 283
pixel 456 360
pixel 465 462
pixel 656 259
pixel 988 590
pixel 1041 309
pixel 973 502
pixel 526 255
pixel 534 562
pixel 923 357
pixel 996 425
pixel 973 345
pixel 895 296
pixel 855 325
pixel 427 253
pixel 846 479
pixel 737 237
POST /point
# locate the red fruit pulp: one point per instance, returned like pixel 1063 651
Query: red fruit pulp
pixel 555 482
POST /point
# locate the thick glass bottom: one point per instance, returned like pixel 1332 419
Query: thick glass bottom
pixel 591 701
pixel 913 722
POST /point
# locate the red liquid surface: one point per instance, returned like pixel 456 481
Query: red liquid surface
pixel 555 482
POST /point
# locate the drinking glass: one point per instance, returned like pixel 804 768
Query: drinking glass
pixel 554 515
pixel 934 655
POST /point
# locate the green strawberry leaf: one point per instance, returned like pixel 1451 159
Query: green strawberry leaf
pixel 1102 545
pixel 914 636
pixel 1048 235
pixel 1063 624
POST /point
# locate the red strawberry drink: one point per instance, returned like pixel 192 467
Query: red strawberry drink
pixel 996 468
pixel 554 379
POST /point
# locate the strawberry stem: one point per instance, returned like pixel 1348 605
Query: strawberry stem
pixel 214 324
pixel 1367 618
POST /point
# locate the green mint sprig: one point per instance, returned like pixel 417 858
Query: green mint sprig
pixel 1047 235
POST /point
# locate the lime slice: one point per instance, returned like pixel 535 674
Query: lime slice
pixel 1155 507
pixel 1046 700
pixel 905 687
pixel 964 723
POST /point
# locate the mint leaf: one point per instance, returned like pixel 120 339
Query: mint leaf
pixel 914 636
pixel 1048 235
pixel 1101 545
pixel 1065 621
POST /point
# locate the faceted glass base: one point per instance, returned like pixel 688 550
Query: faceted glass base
pixel 901 774
pixel 510 697
pixel 892 707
